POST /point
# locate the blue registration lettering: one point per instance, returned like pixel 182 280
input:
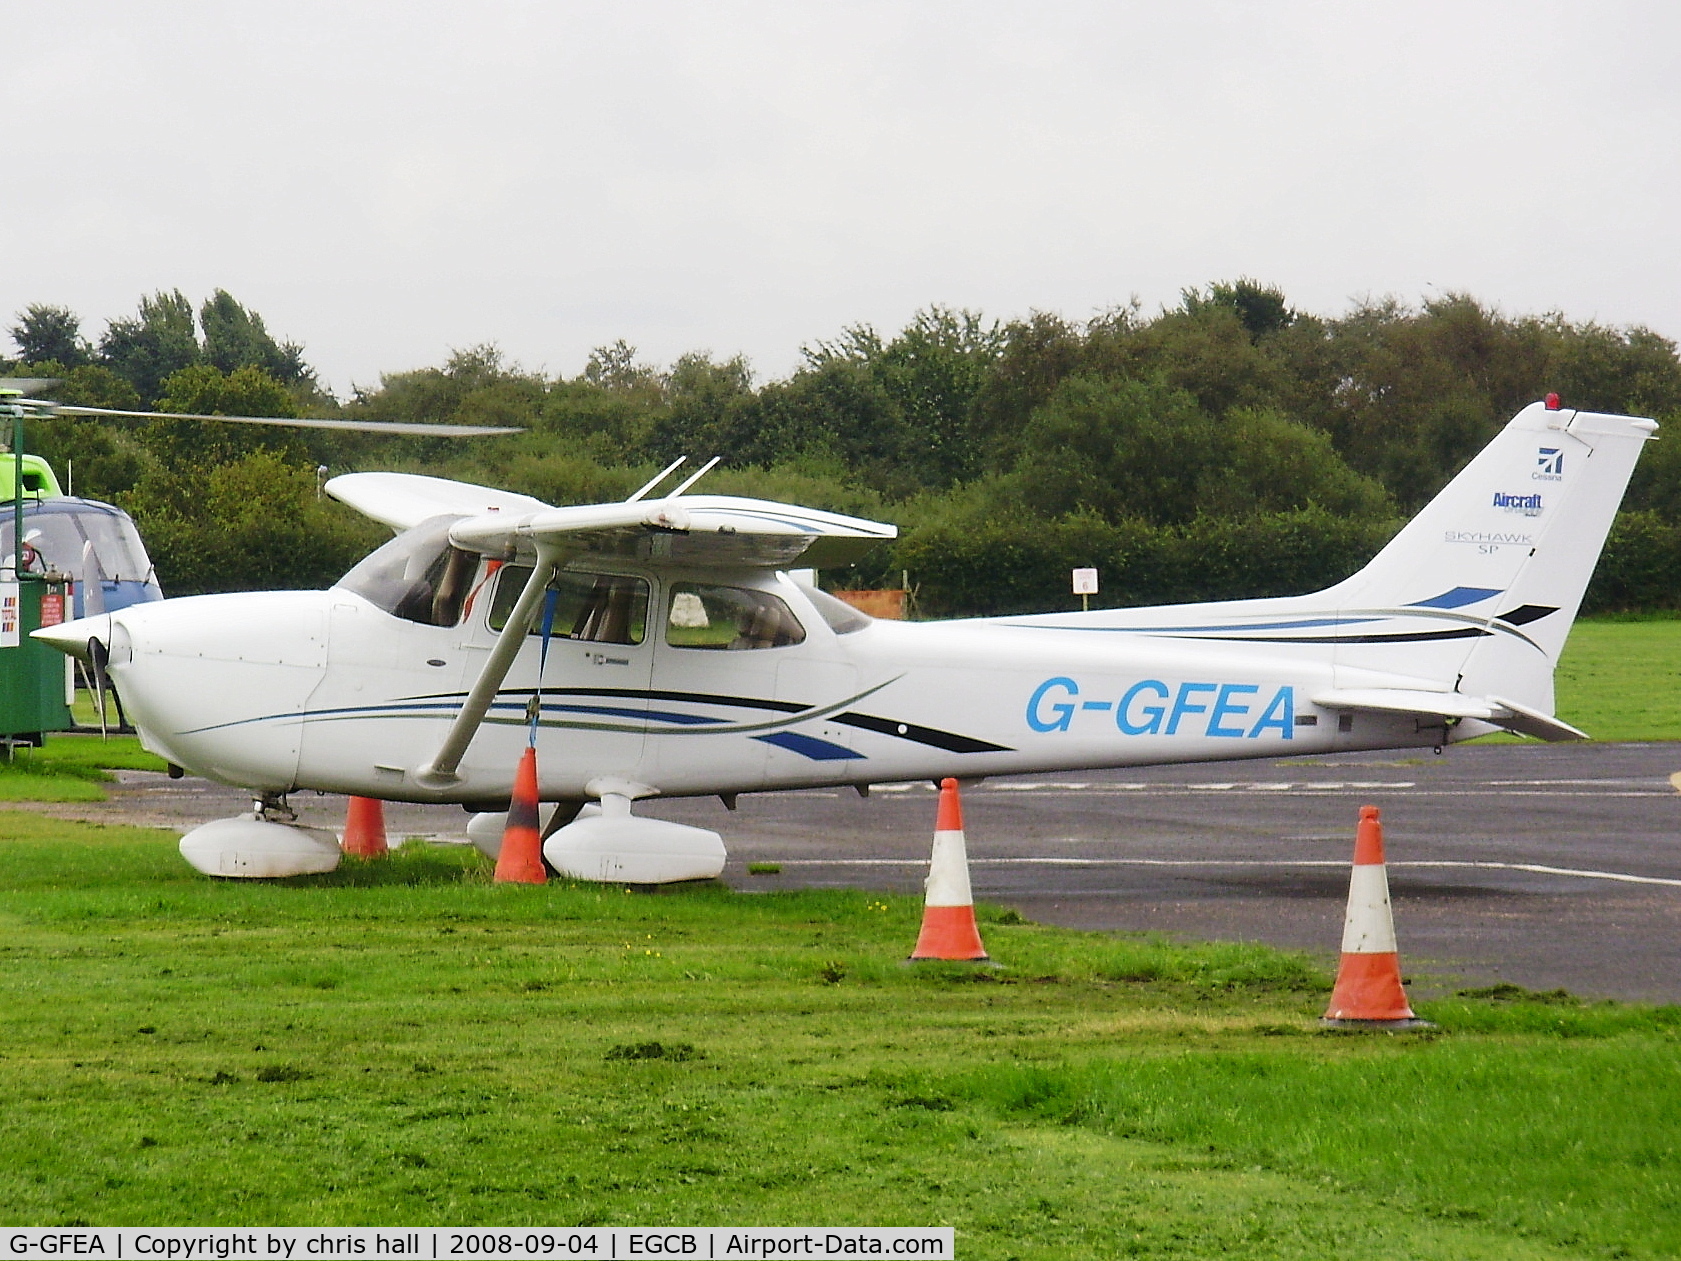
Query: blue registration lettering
pixel 1223 706
pixel 1182 704
pixel 1152 714
pixel 1062 709
pixel 1280 713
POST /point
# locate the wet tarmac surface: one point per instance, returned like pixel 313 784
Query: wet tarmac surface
pixel 1542 865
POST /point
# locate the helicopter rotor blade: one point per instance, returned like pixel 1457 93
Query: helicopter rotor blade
pixel 28 385
pixel 294 422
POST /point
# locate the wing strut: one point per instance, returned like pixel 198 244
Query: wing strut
pixel 440 771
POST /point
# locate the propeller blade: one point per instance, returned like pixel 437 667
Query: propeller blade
pixel 93 592
pixel 297 422
pixel 124 726
pixel 98 655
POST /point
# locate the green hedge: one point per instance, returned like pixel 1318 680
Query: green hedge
pixel 963 569
pixel 1640 569
pixel 967 570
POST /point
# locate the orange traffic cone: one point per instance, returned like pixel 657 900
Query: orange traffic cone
pixel 521 859
pixel 948 915
pixel 1368 993
pixel 364 828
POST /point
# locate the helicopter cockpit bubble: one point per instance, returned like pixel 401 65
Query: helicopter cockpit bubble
pixel 418 576
pixel 67 532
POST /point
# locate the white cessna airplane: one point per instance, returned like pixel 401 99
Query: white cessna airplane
pixel 659 647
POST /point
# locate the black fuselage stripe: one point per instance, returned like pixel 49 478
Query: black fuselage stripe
pixel 950 741
pixel 1413 637
pixel 1527 614
pixel 933 737
pixel 638 694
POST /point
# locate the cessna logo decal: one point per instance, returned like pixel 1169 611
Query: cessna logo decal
pixel 1150 707
pixel 1549 462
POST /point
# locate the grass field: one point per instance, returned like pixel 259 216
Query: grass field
pixel 1621 680
pixel 406 1042
pixel 71 768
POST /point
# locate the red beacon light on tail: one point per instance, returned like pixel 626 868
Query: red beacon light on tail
pixel 1552 402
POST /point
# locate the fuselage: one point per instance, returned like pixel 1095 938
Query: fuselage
pixel 673 657
pixel 702 682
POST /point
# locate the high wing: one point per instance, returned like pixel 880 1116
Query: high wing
pixel 679 530
pixel 689 530
pixel 403 500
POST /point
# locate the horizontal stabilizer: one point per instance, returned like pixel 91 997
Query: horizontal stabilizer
pixel 1532 722
pixel 1494 710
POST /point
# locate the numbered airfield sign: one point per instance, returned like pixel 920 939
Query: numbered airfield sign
pixel 1085 586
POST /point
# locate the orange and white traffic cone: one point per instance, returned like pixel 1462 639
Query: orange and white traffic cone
pixel 948 914
pixel 1368 993
pixel 521 859
pixel 364 828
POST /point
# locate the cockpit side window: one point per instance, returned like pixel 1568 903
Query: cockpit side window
pixel 729 618
pixel 600 608
pixel 418 576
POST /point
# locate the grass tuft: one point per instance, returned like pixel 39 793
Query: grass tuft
pixel 283 1073
pixel 677 1052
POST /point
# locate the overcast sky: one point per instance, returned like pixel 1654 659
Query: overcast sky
pixel 385 181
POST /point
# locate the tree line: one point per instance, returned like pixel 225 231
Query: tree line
pixel 1228 446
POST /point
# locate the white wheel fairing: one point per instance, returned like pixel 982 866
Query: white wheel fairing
pixel 249 848
pixel 630 850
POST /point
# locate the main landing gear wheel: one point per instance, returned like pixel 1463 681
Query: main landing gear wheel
pixel 266 844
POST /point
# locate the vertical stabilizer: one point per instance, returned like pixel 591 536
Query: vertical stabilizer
pixel 1492 571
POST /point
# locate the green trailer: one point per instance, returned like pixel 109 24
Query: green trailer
pixel 34 683
pixel 33 679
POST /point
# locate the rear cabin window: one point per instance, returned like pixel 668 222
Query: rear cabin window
pixel 729 618
pixel 842 618
pixel 600 608
pixel 418 576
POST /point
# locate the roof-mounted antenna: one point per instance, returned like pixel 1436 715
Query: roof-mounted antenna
pixel 695 476
pixel 658 478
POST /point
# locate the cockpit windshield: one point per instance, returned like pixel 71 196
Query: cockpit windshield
pixel 418 576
